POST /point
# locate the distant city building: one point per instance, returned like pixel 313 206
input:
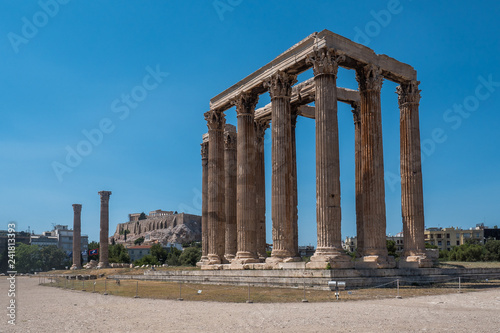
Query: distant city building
pixel 351 243
pixel 446 238
pixel 20 237
pixel 138 251
pixel 306 251
pixel 62 237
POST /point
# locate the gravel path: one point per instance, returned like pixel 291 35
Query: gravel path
pixel 46 309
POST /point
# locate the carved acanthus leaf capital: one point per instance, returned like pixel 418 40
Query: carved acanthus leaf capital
pixel 230 140
pixel 408 93
pixel 77 208
pixel 369 77
pixel 356 112
pixel 260 128
pixel 215 120
pixel 104 195
pixel 280 84
pixel 325 61
pixel 245 103
pixel 204 150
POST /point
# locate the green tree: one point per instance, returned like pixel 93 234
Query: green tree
pixel 142 216
pixel 190 256
pixel 27 258
pixel 159 253
pixel 139 241
pixel 492 250
pixel 173 256
pixel 126 232
pixel 146 260
pixel 118 254
pixel 391 247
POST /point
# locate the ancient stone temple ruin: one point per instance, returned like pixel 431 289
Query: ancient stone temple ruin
pixel 233 219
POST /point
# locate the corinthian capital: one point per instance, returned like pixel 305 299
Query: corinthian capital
pixel 245 103
pixel 369 77
pixel 408 93
pixel 104 195
pixel 325 61
pixel 204 150
pixel 77 208
pixel 215 120
pixel 280 84
pixel 260 128
pixel 230 140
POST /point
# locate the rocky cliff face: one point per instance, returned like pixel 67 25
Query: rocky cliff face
pixel 175 228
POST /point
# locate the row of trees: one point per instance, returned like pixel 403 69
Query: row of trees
pixel 32 258
pixel 473 251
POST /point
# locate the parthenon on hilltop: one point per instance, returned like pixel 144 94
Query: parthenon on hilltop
pixel 233 218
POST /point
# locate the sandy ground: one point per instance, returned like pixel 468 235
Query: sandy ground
pixel 46 309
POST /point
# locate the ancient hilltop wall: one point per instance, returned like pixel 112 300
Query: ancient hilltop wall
pixel 175 228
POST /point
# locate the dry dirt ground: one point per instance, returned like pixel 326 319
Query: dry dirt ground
pixel 46 309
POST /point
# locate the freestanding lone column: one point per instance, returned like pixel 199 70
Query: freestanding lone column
pixel 246 211
pixel 359 187
pixel 230 141
pixel 260 188
pixel 412 198
pixel 204 204
pixel 370 80
pixel 328 212
pixel 280 88
pixel 216 186
pixel 104 240
pixel 77 234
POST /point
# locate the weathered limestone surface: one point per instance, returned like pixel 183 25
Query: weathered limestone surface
pixel 204 205
pixel 370 80
pixel 293 61
pixel 328 212
pixel 230 166
pixel 260 188
pixel 280 84
pixel 325 52
pixel 77 234
pixel 246 196
pixel 103 239
pixel 358 176
pixel 412 200
pixel 216 186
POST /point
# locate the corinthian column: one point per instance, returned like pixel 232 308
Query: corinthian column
pixel 230 190
pixel 260 188
pixel 77 234
pixel 216 186
pixel 294 194
pixel 412 198
pixel 370 80
pixel 204 204
pixel 280 88
pixel 246 211
pixel 328 212
pixel 103 239
pixel 359 185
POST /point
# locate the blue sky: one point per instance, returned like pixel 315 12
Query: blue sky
pixel 136 77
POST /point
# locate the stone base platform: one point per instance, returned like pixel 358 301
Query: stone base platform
pixel 317 279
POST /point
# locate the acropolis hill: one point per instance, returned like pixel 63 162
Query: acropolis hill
pixel 162 226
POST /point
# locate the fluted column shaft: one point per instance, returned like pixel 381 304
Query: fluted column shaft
pixel 359 183
pixel 294 194
pixel 204 204
pixel 230 167
pixel 103 240
pixel 216 186
pixel 280 87
pixel 260 188
pixel 246 199
pixel 374 216
pixel 412 199
pixel 77 234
